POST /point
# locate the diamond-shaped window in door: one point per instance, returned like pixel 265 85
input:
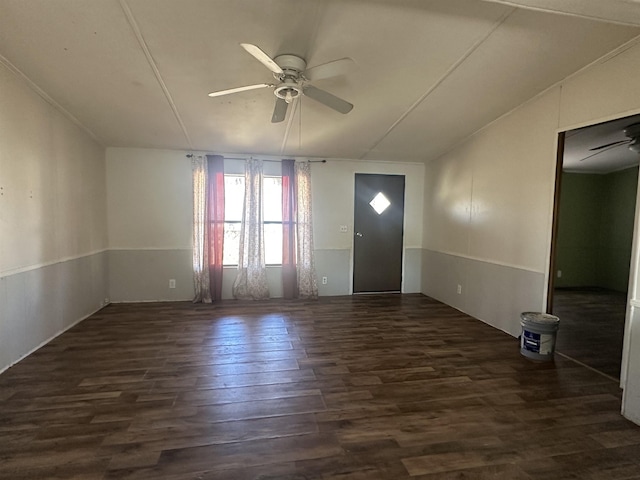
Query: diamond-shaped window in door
pixel 380 203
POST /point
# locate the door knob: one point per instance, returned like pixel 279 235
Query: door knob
pixel 358 234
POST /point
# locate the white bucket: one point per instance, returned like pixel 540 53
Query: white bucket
pixel 538 339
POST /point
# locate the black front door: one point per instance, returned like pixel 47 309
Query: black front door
pixel 378 232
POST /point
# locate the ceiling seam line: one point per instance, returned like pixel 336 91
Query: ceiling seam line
pixel 446 75
pixel 154 67
pixel 550 11
pixel 47 98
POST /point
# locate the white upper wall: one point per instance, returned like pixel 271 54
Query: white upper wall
pixel 607 90
pixel 52 183
pixel 333 186
pixel 150 198
pixel 490 199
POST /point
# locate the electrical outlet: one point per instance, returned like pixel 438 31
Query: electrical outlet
pixel 343 229
pixel 459 290
pixel 324 280
pixel 172 283
pixel 559 273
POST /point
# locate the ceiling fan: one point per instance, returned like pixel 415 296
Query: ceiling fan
pixel 633 140
pixel 293 77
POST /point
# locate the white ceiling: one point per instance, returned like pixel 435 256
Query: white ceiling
pixel 136 73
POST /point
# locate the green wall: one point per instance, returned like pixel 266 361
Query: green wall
pixel 596 229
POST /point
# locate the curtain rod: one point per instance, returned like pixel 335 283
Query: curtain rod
pixel 191 155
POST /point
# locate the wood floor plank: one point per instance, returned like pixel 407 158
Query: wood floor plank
pixel 592 326
pixel 344 388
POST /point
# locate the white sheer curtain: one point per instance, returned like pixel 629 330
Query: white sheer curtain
pixel 200 252
pixel 305 268
pixel 251 282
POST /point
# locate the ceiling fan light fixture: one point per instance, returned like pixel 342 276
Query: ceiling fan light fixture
pixel 288 91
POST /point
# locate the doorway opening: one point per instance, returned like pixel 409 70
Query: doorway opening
pixel 594 216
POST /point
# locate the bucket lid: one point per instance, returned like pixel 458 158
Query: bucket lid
pixel 536 317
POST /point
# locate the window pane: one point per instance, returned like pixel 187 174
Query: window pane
pixel 231 249
pixel 272 212
pixel 233 199
pixel 273 243
pixel 272 199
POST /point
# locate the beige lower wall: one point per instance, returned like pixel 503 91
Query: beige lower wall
pixel 39 304
pixel 138 275
pixel 495 294
pixel 143 275
pixel 630 362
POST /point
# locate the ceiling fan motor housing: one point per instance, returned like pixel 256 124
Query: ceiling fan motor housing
pixel 292 66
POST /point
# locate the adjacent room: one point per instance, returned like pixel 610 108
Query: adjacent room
pixel 293 239
pixel 596 218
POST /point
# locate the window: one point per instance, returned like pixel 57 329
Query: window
pixel 272 216
pixel 233 202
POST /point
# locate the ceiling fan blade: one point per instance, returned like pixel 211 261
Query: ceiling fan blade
pixel 327 99
pixel 262 57
pixel 240 89
pixel 330 69
pixel 279 111
pixel 619 142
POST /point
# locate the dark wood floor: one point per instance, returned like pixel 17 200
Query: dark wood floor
pixel 351 388
pixel 591 326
